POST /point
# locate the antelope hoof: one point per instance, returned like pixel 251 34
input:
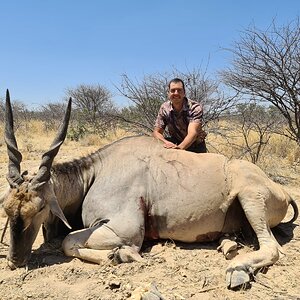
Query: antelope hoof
pixel 124 254
pixel 228 248
pixel 237 278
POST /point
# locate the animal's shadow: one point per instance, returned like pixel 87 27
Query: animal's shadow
pixel 51 253
pixel 148 245
pixel 283 233
pixel 48 254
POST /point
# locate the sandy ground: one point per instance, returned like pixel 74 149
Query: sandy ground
pixel 179 271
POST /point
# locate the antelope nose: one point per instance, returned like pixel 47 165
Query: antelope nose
pixel 11 265
pixel 15 264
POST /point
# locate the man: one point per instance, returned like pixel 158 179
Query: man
pixel 183 119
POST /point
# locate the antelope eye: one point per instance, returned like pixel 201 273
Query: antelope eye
pixel 41 207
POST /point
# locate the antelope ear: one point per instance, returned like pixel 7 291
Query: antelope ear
pixel 56 210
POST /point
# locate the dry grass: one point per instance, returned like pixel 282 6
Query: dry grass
pixel 33 141
pixel 281 157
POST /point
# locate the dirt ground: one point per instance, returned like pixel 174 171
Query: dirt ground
pixel 179 271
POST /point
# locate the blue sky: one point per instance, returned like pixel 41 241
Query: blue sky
pixel 49 46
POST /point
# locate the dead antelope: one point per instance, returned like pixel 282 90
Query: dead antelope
pixel 134 189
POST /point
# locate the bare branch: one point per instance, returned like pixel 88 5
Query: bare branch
pixel 266 65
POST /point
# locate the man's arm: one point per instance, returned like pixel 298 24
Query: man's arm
pixel 193 129
pixel 158 133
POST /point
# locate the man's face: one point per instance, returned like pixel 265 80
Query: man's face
pixel 176 92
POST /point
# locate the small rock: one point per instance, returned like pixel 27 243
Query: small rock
pixel 114 284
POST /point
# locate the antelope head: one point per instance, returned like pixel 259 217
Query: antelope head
pixel 30 198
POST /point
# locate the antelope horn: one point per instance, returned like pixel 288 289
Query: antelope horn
pixel 44 174
pixel 15 157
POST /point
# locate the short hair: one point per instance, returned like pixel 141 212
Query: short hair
pixel 176 80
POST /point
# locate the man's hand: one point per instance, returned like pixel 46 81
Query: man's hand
pixel 170 145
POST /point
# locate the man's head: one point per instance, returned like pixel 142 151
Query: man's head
pixel 176 92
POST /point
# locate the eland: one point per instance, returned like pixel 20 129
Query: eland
pixel 134 189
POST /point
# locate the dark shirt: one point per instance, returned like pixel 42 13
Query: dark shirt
pixel 177 122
